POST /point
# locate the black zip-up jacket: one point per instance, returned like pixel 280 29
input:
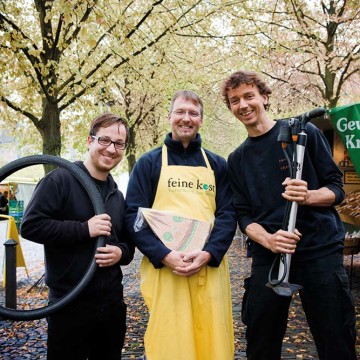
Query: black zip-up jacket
pixel 57 217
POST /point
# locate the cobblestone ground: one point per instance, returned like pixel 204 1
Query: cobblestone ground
pixel 27 340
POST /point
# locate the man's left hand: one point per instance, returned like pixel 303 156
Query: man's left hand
pixel 295 190
pixel 108 255
pixel 193 263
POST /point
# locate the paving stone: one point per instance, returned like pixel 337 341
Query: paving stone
pixel 27 339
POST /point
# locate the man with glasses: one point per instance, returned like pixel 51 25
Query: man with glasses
pixel 60 216
pixel 187 294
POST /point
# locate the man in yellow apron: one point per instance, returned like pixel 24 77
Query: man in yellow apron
pixel 188 295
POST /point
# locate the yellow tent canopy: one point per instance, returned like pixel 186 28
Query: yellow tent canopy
pixel 12 233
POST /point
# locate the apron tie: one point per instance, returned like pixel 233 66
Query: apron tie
pixel 202 276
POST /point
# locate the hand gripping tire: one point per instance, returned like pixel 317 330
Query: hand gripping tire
pixel 98 206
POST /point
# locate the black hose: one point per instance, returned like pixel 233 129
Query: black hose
pixel 98 205
pixel 276 282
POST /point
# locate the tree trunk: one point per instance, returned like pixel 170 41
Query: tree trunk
pixel 131 152
pixel 50 129
pixel 131 160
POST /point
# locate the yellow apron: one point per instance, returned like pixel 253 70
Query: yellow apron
pixel 190 317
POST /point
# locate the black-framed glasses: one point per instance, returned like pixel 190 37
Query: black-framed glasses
pixel 104 141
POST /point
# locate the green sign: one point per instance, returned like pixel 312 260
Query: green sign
pixel 346 120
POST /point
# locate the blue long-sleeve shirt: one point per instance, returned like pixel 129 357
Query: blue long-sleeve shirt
pixel 142 188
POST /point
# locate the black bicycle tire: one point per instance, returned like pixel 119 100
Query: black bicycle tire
pixel 98 205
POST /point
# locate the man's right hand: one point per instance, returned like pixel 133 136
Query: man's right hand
pixel 280 242
pixel 283 241
pixel 173 259
pixel 100 225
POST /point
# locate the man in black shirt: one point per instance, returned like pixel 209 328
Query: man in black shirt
pixel 259 176
pixel 60 216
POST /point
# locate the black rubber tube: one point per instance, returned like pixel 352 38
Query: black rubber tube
pixel 94 195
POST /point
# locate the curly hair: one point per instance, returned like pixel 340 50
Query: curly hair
pixel 244 77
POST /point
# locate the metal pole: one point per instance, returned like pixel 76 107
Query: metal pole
pixel 10 278
pixel 300 153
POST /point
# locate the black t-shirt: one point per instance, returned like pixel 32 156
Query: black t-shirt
pixel 103 186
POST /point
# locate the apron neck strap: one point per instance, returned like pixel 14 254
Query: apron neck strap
pixel 164 157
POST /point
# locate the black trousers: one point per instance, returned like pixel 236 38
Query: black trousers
pixel 79 333
pixel 327 303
